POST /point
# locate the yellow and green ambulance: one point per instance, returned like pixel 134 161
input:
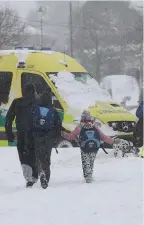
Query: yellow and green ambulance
pixel 73 91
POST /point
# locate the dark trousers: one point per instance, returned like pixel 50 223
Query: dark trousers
pixel 43 149
pixel 26 152
pixel 88 164
pixel 138 134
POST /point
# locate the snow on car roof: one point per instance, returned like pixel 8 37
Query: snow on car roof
pixel 22 54
pixel 122 86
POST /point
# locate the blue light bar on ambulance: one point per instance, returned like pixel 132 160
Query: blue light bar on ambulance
pixel 45 49
pixel 32 48
pixel 24 48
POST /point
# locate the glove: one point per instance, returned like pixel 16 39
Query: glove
pixel 11 137
pixel 65 135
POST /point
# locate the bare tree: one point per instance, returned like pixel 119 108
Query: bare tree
pixel 102 42
pixel 12 30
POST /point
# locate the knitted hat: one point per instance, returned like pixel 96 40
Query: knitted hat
pixel 86 116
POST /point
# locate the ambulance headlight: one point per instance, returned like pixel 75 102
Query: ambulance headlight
pixel 114 124
pixel 133 124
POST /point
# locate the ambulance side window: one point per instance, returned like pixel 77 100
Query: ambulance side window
pixel 35 79
pixel 5 86
pixel 40 86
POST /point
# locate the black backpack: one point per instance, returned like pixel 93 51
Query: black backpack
pixel 89 140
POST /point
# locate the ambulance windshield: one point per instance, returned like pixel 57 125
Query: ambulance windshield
pixel 78 89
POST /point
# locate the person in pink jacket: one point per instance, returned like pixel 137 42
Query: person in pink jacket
pixel 90 138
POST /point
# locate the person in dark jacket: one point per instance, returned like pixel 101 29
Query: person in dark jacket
pixel 20 110
pixel 44 138
pixel 139 111
pixel 138 132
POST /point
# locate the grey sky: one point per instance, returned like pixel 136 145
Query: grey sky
pixel 23 7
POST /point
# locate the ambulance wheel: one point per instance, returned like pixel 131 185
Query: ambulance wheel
pixel 62 143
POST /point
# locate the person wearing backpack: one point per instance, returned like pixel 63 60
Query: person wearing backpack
pixel 46 126
pixel 90 138
pixel 138 132
pixel 19 111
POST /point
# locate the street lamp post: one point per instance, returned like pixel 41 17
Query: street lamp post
pixel 41 26
pixel 71 29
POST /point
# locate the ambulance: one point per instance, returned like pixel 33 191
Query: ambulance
pixel 73 89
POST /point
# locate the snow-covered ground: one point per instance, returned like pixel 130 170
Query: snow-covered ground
pixel 114 198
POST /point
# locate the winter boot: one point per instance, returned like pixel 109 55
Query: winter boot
pixel 136 153
pixel 88 179
pixel 44 183
pixel 29 184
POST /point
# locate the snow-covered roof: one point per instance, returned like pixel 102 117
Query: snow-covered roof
pixel 21 54
pixel 24 51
